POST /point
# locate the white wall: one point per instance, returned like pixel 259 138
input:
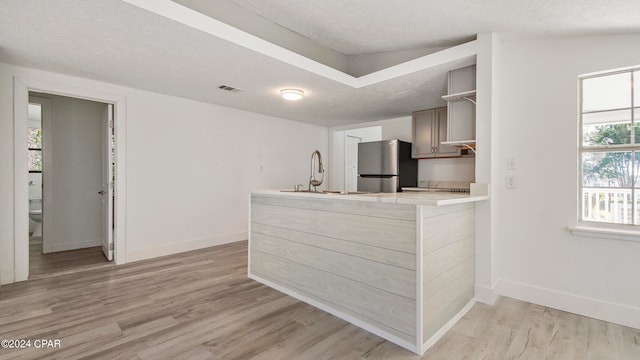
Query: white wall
pixel 373 133
pixel 398 128
pixel 73 209
pixel 453 169
pixel 538 260
pixel 190 166
pixel 6 176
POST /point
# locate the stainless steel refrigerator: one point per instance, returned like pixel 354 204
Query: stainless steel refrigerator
pixel 386 166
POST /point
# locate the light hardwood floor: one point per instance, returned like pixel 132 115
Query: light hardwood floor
pixel 43 265
pixel 200 305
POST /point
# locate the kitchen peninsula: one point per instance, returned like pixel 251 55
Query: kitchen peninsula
pixel 400 265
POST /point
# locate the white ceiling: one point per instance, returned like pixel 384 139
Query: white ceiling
pixel 366 26
pixel 116 42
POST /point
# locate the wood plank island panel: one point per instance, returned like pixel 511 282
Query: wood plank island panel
pixel 373 209
pixel 391 234
pixel 390 278
pixel 392 313
pixel 448 273
pixel 401 271
pixel 386 256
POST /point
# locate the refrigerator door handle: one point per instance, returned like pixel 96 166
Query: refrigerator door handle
pixel 378 176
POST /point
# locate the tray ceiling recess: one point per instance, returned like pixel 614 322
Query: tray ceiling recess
pixel 164 47
pixel 410 81
pixel 186 15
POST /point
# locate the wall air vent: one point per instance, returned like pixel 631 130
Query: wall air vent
pixel 228 88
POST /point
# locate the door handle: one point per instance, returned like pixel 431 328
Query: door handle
pixel 101 192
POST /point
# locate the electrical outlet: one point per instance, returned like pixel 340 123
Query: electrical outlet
pixel 511 182
pixel 261 168
pixel 511 163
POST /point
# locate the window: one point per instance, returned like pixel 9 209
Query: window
pixel 35 149
pixel 610 147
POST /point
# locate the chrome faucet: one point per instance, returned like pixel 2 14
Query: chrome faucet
pixel 312 178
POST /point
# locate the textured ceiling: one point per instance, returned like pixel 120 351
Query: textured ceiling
pixel 366 26
pixel 115 42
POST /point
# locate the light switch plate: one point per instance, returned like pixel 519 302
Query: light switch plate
pixel 511 163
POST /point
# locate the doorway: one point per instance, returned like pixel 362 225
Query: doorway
pixel 351 162
pixel 344 150
pixel 71 163
pixel 79 89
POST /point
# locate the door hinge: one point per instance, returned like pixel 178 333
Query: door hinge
pixel 112 185
pixel 110 124
pixel 111 246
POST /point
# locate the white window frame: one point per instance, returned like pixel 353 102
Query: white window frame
pixel 599 229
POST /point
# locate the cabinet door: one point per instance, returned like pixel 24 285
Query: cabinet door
pixel 444 150
pixel 462 120
pixel 424 135
pixel 462 113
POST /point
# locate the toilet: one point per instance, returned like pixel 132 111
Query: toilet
pixel 36 215
pixel 36 222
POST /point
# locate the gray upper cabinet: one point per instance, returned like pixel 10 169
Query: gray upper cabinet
pixel 423 135
pixel 444 150
pixel 429 129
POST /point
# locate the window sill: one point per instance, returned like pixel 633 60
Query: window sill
pixel 606 233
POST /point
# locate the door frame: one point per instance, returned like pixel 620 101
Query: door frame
pixel 46 113
pixel 345 158
pixel 106 205
pixel 21 88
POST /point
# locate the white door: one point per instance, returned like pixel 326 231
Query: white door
pixel 351 162
pixel 107 182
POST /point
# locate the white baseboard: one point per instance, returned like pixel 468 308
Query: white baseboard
pixel 7 276
pixel 486 295
pixel 344 316
pixel 50 248
pixel 581 305
pixel 178 247
pixel 446 327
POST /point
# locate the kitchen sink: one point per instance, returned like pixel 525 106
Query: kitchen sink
pixel 344 192
pixel 331 192
pixel 303 191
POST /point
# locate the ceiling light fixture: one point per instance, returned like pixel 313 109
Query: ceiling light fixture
pixel 292 94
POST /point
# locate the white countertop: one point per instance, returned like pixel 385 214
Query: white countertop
pixel 413 198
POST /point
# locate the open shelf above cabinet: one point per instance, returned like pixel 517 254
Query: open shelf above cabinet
pixel 465 95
